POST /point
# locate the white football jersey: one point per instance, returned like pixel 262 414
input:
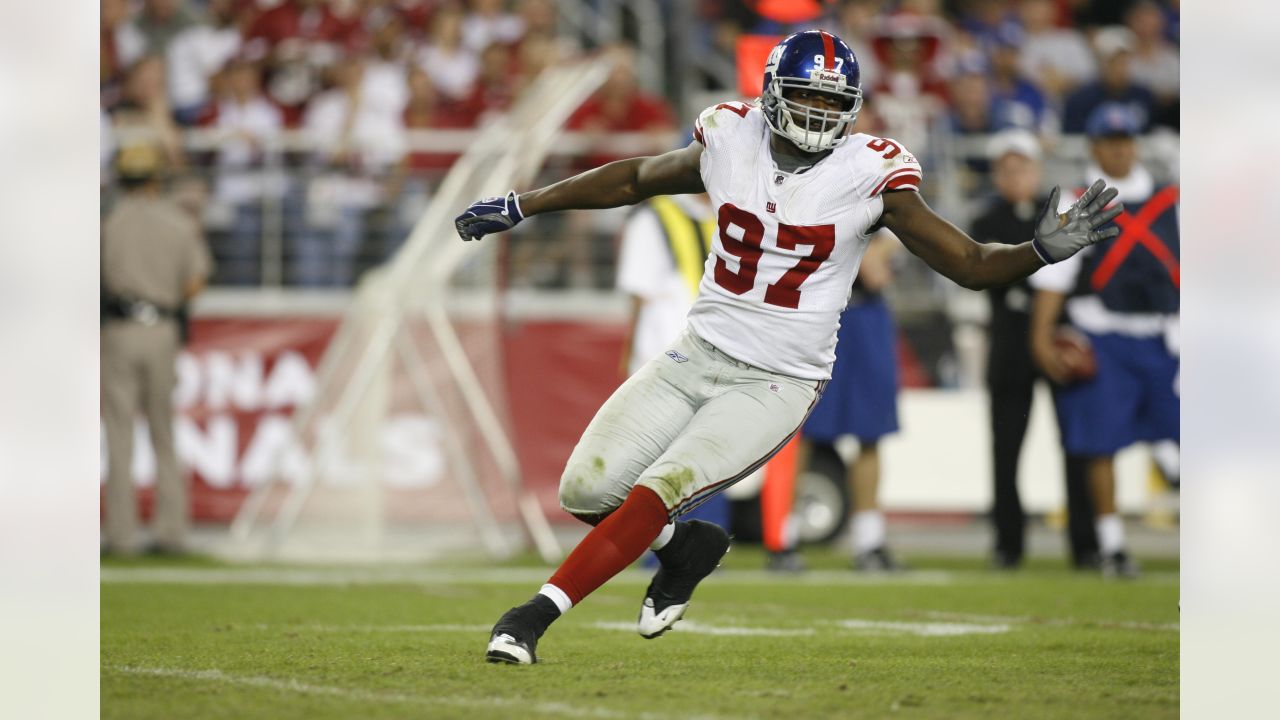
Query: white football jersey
pixel 782 264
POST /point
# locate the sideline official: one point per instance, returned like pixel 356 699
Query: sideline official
pixel 154 260
pixel 1123 295
pixel 1011 373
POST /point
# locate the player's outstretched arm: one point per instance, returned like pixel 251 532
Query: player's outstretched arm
pixel 625 182
pixel 976 266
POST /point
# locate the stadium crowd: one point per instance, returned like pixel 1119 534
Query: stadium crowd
pixel 289 125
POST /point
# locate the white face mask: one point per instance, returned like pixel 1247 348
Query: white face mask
pixel 811 129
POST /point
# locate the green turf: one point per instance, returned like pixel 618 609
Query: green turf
pixel 1076 646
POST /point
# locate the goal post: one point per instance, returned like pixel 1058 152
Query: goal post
pixel 417 359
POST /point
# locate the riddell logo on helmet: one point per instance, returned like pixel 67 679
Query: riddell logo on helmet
pixel 827 76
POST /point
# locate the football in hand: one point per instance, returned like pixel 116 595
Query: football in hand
pixel 1077 354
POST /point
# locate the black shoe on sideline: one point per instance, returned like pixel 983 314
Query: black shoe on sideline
pixel 786 561
pixel 878 560
pixel 1120 565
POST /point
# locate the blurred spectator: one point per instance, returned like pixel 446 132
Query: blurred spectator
pixel 494 89
pixel 489 23
pixel 1011 375
pixel 857 20
pixel 1155 61
pixel 1057 58
pixel 143 115
pixel 534 54
pixel 411 183
pixel 919 8
pixel 300 38
pixel 196 54
pixel 360 144
pixel 120 45
pixel 106 150
pixel 1115 83
pixel 985 20
pixel 424 111
pixel 971 104
pixel 621 106
pixel 416 15
pixel 385 88
pixel 451 65
pixel 1097 13
pixel 246 123
pixel 1018 102
pixel 909 93
pixel 161 20
pixel 315 21
pixel 541 23
pixel 1173 21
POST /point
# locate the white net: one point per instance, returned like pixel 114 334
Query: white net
pixel 417 360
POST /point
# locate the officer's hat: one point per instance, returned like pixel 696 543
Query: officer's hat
pixel 138 163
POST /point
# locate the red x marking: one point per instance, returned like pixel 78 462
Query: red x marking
pixel 1136 230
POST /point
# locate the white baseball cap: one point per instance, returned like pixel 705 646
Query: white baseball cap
pixel 1014 140
pixel 1114 39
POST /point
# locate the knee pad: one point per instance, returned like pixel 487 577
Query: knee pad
pixel 585 491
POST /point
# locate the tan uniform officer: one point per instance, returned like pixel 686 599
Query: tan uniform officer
pixel 153 261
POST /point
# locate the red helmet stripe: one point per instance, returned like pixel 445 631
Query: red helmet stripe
pixel 828 51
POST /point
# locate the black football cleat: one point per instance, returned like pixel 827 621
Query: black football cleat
pixel 785 561
pixel 514 639
pixel 878 560
pixel 1120 565
pixel 667 598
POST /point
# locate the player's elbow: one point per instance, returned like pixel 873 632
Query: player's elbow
pixel 973 280
pixel 970 283
pixel 971 271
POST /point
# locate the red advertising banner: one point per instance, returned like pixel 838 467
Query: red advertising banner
pixel 241 378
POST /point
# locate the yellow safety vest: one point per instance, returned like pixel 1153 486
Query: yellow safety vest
pixel 688 239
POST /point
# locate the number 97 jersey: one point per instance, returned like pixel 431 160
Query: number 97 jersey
pixel 788 246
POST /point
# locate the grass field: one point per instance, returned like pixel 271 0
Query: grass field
pixel 197 639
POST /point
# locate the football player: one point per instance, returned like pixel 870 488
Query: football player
pixel 796 195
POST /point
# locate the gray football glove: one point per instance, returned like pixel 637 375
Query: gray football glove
pixel 1058 237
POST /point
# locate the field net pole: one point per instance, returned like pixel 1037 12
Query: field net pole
pixel 507 153
pixel 490 532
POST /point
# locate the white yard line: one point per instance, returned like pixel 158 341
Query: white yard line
pixel 555 709
pixel 880 627
pixel 480 576
pixel 697 628
pixel 921 629
pixel 436 628
pixel 1058 622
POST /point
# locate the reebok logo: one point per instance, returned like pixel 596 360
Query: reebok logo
pixel 677 356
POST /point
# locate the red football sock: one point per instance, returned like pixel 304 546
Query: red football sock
pixel 612 545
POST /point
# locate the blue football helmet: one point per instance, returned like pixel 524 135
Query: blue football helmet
pixel 812 60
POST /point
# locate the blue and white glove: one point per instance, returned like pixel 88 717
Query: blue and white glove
pixel 490 215
pixel 1059 236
